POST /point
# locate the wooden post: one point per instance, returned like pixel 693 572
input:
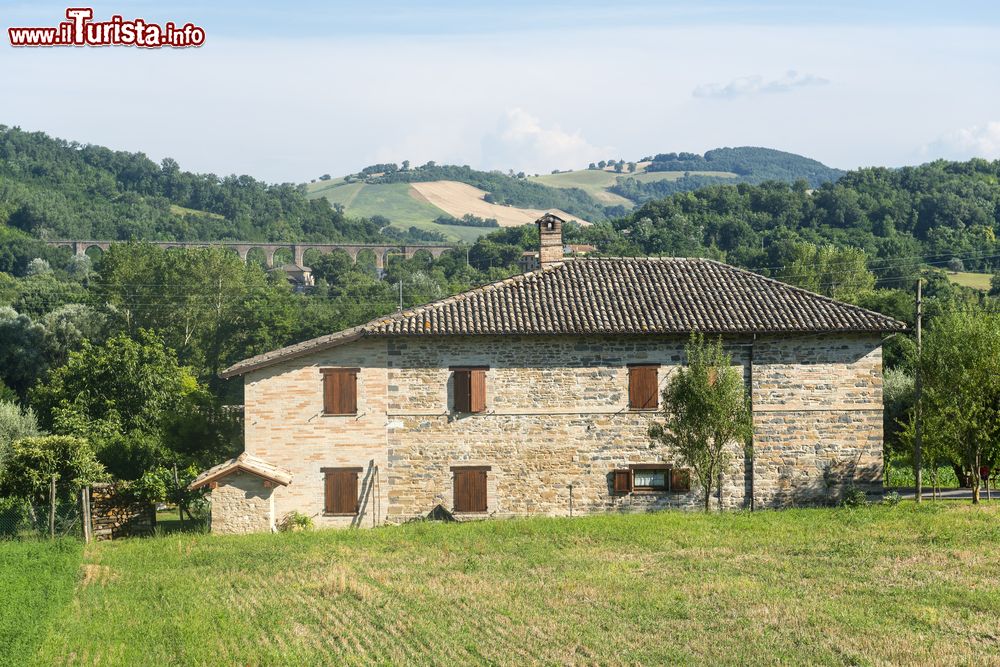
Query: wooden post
pixel 918 425
pixel 52 507
pixel 85 513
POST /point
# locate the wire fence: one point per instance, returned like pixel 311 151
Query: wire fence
pixel 22 520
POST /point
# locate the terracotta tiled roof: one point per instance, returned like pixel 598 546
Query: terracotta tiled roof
pixel 634 296
pixel 615 296
pixel 245 463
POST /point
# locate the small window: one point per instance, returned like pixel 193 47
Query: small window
pixel 470 488
pixel 643 387
pixel 470 389
pixel 340 391
pixel 651 479
pixel 341 491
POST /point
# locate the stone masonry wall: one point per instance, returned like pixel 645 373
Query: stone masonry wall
pixel 817 418
pixel 557 415
pixel 242 504
pixel 285 425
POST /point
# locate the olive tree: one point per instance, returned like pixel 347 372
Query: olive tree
pixel 705 411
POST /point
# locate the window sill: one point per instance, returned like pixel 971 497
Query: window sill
pixel 472 512
pixel 644 409
pixel 345 414
pixel 650 492
pixel 332 514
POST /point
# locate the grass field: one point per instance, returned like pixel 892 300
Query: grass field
pixel 974 280
pixel 36 583
pixel 877 585
pixel 596 182
pixel 398 202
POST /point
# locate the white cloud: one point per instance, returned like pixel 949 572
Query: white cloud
pixel 756 85
pixel 975 141
pixel 522 142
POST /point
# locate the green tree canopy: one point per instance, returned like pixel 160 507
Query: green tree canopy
pixel 705 412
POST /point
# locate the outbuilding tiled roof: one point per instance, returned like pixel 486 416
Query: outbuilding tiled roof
pixel 243 463
pixel 647 295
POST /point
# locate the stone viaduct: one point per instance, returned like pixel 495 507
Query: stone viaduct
pixel 298 250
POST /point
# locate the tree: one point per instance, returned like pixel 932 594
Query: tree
pixel 126 397
pixel 960 366
pixel 705 412
pixel 33 461
pixel 15 423
pixel 21 344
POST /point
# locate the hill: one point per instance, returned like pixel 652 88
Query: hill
pixel 604 190
pixel 627 184
pixel 51 188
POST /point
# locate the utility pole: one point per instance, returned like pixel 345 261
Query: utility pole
pixel 918 425
pixel 400 295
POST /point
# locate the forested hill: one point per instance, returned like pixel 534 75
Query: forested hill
pixel 745 164
pixel 751 163
pixel 52 188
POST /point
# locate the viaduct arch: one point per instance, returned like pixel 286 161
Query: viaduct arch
pixel 298 250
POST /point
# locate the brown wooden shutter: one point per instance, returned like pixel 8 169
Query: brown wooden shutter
pixel 463 390
pixel 470 490
pixel 622 481
pixel 340 391
pixel 680 479
pixel 477 390
pixel 643 387
pixel 341 491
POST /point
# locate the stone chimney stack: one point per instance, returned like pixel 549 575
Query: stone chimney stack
pixel 550 248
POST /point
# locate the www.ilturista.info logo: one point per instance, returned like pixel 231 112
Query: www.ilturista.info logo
pixel 80 30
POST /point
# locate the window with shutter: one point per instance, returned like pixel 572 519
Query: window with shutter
pixel 469 389
pixel 340 491
pixel 643 387
pixel 680 479
pixel 340 391
pixel 470 488
pixel 650 477
pixel 621 481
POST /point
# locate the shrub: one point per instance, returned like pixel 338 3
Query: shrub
pixel 294 522
pixel 891 499
pixel 854 497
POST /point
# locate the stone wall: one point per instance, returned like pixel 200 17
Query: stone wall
pixel 242 503
pixel 557 416
pixel 817 419
pixel 285 425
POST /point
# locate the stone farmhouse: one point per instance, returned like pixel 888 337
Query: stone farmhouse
pixel 533 396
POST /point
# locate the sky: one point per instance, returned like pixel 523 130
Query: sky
pixel 286 92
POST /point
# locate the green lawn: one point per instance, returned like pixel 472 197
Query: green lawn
pixel 36 584
pixel 878 585
pixel 396 201
pixel 974 280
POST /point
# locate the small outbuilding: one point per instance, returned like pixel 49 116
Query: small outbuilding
pixel 242 493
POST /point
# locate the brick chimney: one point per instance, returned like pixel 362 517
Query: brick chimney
pixel 550 247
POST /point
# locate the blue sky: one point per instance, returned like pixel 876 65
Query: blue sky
pixel 288 92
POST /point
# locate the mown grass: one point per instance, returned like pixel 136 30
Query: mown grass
pixel 980 281
pixel 396 201
pixel 901 585
pixel 36 583
pixel 596 182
